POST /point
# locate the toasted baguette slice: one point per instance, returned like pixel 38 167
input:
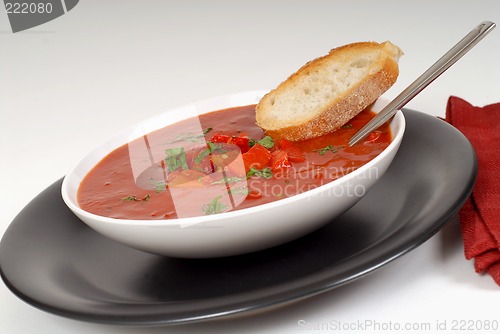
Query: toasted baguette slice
pixel 327 92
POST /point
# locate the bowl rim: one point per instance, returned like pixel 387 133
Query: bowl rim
pixel 193 221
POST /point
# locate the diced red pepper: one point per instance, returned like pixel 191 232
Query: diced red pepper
pixel 280 160
pixel 258 157
pixel 294 153
pixel 241 141
pixel 254 194
pixel 219 138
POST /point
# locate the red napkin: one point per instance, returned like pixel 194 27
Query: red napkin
pixel 480 216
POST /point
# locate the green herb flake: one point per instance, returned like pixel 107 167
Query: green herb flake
pixel 346 126
pixel 251 142
pixel 239 191
pixel 190 137
pixel 331 148
pixel 266 173
pixel 158 186
pixel 176 158
pixel 130 198
pixel 215 206
pixel 231 179
pixel 201 155
pixel 135 199
pixel 267 142
pixel 211 148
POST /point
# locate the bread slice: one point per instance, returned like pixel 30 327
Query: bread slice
pixel 327 92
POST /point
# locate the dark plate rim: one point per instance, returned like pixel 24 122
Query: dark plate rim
pixel 291 291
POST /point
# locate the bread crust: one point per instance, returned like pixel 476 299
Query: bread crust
pixel 346 106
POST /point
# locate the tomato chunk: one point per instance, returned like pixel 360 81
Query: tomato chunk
pixel 241 141
pixel 280 160
pixel 258 157
pixel 254 194
pixel 294 153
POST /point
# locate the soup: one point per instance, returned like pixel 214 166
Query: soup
pixel 218 162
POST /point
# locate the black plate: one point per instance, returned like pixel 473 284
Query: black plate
pixel 53 261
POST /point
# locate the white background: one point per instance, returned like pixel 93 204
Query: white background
pixel 69 84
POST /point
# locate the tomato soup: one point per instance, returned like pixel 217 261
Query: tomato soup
pixel 218 162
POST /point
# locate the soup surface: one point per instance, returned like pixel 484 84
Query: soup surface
pixel 218 162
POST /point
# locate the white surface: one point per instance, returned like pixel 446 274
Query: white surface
pixel 73 82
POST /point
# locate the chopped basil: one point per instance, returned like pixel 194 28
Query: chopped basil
pixel 346 126
pixel 190 137
pixel 215 206
pixel 135 199
pixel 231 179
pixel 130 198
pixel 201 155
pixel 240 191
pixel 211 148
pixel 158 186
pixel 266 173
pixel 176 158
pixel 331 148
pixel 267 142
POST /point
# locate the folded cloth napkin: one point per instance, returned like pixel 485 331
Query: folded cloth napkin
pixel 480 216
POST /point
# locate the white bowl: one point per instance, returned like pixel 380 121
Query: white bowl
pixel 234 232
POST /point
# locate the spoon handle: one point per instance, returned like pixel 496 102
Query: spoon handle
pixel 425 79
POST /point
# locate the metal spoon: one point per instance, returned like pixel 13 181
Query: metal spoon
pixel 425 79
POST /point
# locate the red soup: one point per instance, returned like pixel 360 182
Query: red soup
pixel 218 162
